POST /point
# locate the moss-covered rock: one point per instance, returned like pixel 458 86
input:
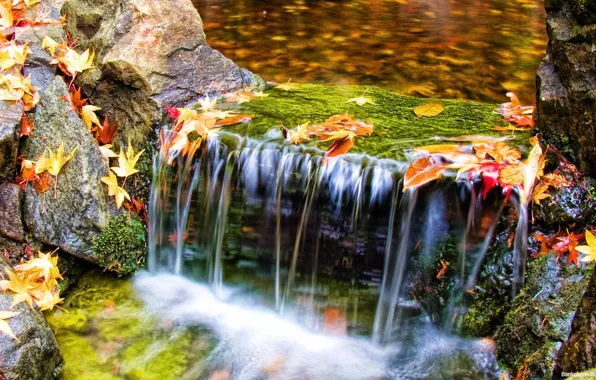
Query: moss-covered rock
pixel 122 246
pixel 540 317
pixel 396 125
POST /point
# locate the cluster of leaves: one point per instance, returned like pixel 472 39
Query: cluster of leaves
pixel 513 112
pixel 492 160
pixel 68 60
pixel 13 85
pixel 126 167
pixel 568 242
pixel 32 281
pixel 341 129
pixel 13 13
pixel 191 126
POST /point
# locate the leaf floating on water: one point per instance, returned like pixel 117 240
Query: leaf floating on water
pixel 423 170
pixel 429 109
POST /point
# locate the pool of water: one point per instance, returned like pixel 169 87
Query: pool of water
pixel 475 49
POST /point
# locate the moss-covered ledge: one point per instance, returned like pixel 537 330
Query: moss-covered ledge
pixel 396 125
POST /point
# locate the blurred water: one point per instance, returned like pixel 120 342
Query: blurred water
pixel 474 49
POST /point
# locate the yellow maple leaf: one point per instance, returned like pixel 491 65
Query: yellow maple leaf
pixel 298 134
pixel 336 135
pixel 127 162
pixel 107 152
pixel 45 265
pixel 19 286
pixel 207 103
pixel 50 45
pixel 47 299
pixel 77 63
pixel 4 327
pixel 113 189
pixel 12 54
pixel 6 19
pixel 540 193
pixel 54 163
pixel 89 117
pixel 588 250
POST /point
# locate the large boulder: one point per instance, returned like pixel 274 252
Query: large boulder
pixel 81 208
pixel 36 354
pixel 148 54
pixel 566 82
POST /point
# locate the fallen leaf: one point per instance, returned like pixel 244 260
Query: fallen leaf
pixel 429 109
pixel 361 100
pixel 588 250
pixel 114 189
pixel 89 117
pixel 4 315
pixel 107 152
pixel 338 148
pixel 105 134
pixel 422 171
pixel 127 162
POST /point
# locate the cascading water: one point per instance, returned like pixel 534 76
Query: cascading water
pixel 335 248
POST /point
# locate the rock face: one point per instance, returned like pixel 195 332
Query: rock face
pixel 9 141
pixel 149 53
pixel 36 355
pixel 578 353
pixel 82 207
pixel 566 98
pixel 540 317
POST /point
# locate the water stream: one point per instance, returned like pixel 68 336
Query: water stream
pixel 320 270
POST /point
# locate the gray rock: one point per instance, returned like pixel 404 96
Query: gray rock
pixel 157 46
pixel 10 118
pixel 566 82
pixel 36 355
pixel 82 208
pixel 38 60
pixel 11 225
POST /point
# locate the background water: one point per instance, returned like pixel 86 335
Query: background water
pixel 473 49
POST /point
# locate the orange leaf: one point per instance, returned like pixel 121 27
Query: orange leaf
pixel 105 135
pixel 338 148
pixel 422 171
pixel 234 120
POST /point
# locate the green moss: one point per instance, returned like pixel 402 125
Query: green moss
pixel 122 246
pixel 163 359
pixel 106 334
pixel 396 125
pixel 482 317
pixel 541 315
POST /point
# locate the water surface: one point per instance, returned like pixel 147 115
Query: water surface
pixel 475 49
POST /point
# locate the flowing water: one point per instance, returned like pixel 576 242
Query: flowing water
pixel 321 270
pixel 473 49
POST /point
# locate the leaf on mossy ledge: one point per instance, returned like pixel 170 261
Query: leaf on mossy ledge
pixel 422 171
pixel 431 109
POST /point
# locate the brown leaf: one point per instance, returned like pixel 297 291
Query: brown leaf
pixel 338 148
pixel 105 135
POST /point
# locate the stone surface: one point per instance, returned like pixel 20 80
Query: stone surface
pixel 157 46
pixel 566 82
pixel 11 225
pixel 540 318
pixel 578 353
pixel 36 355
pixel 38 60
pixel 10 118
pixel 82 207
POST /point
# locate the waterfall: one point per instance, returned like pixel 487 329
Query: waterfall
pixel 315 242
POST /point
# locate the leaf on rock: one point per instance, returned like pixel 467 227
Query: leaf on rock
pixel 74 62
pixel 107 152
pixel 114 189
pixel 338 148
pixel 429 109
pixel 588 250
pixel 422 171
pixel 4 315
pixel 105 134
pixel 127 162
pixel 89 117
pixel 54 163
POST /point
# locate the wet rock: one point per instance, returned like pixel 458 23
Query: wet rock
pixel 38 60
pixel 36 355
pixel 540 317
pixel 11 225
pixel 568 207
pixel 81 208
pixel 9 142
pixel 566 82
pixel 578 353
